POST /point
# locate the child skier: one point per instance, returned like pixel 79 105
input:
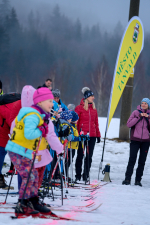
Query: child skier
pixel 30 126
pixel 74 143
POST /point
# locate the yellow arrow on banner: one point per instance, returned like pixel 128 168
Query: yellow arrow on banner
pixel 130 48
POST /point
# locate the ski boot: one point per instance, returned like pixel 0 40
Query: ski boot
pixel 138 183
pixel 39 206
pixel 77 180
pixel 26 209
pixel 85 178
pixel 3 184
pixel 126 182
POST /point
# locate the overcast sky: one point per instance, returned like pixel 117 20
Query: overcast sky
pixel 105 12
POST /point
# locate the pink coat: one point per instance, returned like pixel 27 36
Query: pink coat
pixel 46 158
pixel 140 127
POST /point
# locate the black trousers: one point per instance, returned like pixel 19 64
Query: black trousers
pixel 134 148
pixel 88 159
pixel 67 161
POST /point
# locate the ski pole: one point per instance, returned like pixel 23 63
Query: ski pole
pixel 88 157
pixel 101 163
pixel 15 217
pixel 64 158
pixel 84 161
pixel 52 174
pixel 67 169
pixel 71 164
pixel 50 179
pixel 61 179
pixel 3 203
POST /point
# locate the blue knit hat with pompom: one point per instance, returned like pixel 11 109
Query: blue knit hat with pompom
pixel 66 115
pixel 75 116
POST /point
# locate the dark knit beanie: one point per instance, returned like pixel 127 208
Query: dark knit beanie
pixel 56 93
pixel 87 92
pixel 0 84
pixel 75 116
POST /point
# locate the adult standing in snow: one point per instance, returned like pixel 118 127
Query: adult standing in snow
pixel 1 91
pixel 139 122
pixel 88 123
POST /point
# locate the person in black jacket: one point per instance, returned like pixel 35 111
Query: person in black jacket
pixel 48 84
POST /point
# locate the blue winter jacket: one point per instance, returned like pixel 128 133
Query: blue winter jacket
pixel 31 131
pixel 63 106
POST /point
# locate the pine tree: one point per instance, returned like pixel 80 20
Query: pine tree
pixel 78 30
pixel 4 50
pixel 14 20
pixel 4 9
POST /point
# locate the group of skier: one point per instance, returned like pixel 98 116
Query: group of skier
pixel 39 123
pixel 36 127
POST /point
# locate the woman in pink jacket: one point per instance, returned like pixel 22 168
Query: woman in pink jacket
pixel 139 122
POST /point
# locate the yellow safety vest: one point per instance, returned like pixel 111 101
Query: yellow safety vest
pixel 73 144
pixel 19 138
pixel 1 92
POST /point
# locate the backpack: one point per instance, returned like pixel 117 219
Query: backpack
pixel 9 98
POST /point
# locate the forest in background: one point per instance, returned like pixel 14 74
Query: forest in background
pixel 71 55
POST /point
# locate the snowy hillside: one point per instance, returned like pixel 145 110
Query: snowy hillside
pixel 127 205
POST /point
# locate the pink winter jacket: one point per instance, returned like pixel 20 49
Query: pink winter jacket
pixel 140 126
pixel 46 158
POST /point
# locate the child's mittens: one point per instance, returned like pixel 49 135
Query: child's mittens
pixel 44 129
pixel 70 137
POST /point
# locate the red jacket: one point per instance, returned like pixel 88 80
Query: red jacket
pixel 15 110
pixel 6 120
pixel 88 120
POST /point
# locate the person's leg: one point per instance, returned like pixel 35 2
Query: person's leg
pixel 19 181
pixel 11 166
pixel 40 171
pixel 142 159
pixel 78 164
pixel 23 166
pixel 57 172
pixel 67 162
pixel 2 157
pixel 134 147
pixel 11 170
pixel 73 153
pixel 88 160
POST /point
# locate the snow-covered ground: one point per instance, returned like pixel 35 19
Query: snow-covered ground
pixel 127 205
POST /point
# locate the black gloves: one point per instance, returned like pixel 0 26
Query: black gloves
pixel 64 133
pixel 98 140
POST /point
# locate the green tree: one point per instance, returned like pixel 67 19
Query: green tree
pixel 4 50
pixel 4 9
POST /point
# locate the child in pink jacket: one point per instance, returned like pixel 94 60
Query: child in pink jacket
pixel 43 157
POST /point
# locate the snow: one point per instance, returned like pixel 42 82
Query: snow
pixel 127 205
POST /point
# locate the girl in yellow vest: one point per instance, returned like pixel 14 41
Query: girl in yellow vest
pixel 30 126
